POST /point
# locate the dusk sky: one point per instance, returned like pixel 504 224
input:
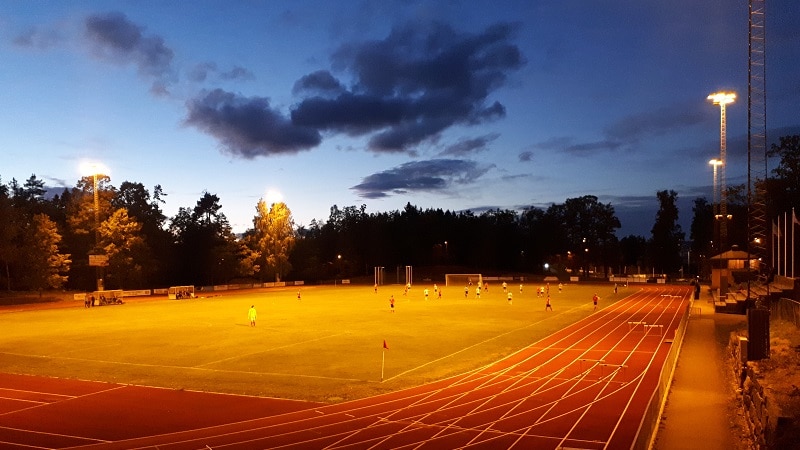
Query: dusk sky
pixel 450 104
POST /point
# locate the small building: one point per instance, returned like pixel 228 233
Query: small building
pixel 730 267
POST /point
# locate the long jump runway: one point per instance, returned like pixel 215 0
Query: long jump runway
pixel 585 387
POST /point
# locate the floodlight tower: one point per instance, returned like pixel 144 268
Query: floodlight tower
pixel 715 163
pixel 756 130
pixel 722 99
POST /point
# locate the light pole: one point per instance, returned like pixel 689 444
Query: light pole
pixel 96 170
pixel 715 195
pixel 722 99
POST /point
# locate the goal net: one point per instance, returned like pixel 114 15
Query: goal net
pixel 462 279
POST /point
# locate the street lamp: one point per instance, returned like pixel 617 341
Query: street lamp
pixel 722 99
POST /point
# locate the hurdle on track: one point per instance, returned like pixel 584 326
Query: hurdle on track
pixel 660 328
pixel 595 361
pixel 632 325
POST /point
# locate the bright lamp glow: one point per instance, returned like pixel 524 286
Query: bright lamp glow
pixel 273 196
pixel 722 98
pixel 89 168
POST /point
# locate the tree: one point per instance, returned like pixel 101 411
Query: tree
pixel 273 238
pixel 784 189
pixel 146 210
pixel 702 234
pixel 122 242
pixel 588 230
pixel 634 251
pixel 667 236
pixel 9 230
pixel 81 225
pixel 206 249
pixel 44 266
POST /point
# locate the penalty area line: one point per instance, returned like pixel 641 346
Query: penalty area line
pixel 294 344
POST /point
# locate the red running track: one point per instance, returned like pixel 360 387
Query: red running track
pixel 584 387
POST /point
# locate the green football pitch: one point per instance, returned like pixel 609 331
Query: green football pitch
pixel 327 347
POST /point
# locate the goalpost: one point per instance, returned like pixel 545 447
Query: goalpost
pixel 462 279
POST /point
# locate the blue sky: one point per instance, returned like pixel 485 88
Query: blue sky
pixel 451 104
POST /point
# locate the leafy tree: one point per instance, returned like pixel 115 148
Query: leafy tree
pixel 634 252
pixel 667 236
pixel 588 230
pixel 207 250
pixel 29 198
pixel 784 189
pixel 77 210
pixel 81 210
pixel 44 266
pixel 702 235
pixel 9 230
pixel 274 238
pixel 124 245
pixel 146 210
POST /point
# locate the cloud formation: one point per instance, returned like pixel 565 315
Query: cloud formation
pixel 406 89
pixel 420 176
pixel 247 127
pixel 469 146
pixel 633 129
pixel 412 85
pixel 205 71
pixel 115 38
pixel 38 38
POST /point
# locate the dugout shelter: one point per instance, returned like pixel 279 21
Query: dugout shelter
pixel 107 297
pixel 180 292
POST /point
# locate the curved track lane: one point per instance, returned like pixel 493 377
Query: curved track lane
pixel 585 387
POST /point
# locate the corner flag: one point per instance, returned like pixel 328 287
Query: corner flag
pixel 384 345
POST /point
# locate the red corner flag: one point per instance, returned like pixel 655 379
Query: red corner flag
pixel 384 345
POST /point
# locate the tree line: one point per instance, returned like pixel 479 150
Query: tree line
pixel 45 243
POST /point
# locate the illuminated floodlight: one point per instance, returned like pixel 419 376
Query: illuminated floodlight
pixel 722 98
pixel 91 168
pixel 273 196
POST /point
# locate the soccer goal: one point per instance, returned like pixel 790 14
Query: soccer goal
pixel 462 279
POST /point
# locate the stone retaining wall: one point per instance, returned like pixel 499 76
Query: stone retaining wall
pixel 754 400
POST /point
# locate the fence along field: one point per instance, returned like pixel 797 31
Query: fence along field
pixel 327 346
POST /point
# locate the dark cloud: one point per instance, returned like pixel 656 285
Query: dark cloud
pixel 568 145
pixel 247 126
pixel 115 38
pixel 349 113
pixel 420 176
pixel 320 82
pixel 468 146
pixel 407 88
pixel 526 156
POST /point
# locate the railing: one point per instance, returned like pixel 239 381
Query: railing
pixel 786 309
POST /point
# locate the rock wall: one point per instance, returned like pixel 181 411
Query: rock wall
pixel 754 400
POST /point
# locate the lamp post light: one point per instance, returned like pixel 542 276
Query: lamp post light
pixel 722 99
